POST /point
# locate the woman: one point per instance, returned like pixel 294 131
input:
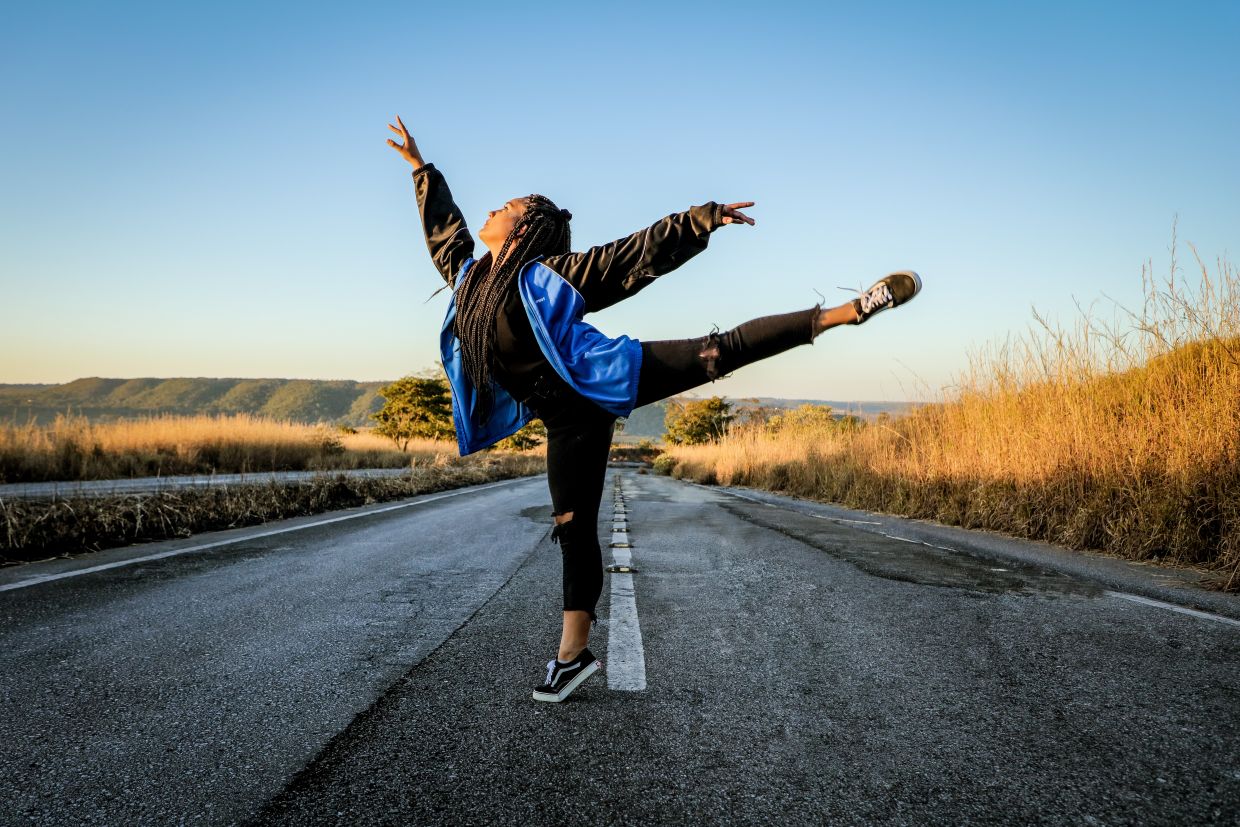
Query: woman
pixel 515 347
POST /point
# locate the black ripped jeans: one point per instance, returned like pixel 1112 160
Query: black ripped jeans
pixel 579 432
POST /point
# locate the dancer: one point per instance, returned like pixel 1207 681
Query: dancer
pixel 514 347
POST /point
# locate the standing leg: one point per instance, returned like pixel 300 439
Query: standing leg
pixel 579 437
pixel 674 366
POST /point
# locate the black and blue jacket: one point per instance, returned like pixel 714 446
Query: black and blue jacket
pixel 555 293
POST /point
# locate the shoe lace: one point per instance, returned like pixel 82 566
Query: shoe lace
pixel 877 297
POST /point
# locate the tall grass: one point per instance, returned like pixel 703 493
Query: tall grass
pixel 1118 434
pixel 74 448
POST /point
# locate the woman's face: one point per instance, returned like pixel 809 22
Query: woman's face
pixel 500 223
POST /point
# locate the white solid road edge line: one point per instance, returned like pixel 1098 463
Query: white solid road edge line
pixel 1136 598
pixel 626 657
pixel 44 578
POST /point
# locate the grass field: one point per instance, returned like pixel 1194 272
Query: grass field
pixel 1120 435
pixel 74 448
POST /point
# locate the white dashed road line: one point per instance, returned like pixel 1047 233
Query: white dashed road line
pixel 626 657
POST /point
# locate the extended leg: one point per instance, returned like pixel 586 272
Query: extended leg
pixel 674 366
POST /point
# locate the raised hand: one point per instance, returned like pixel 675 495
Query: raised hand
pixel 409 150
pixel 733 215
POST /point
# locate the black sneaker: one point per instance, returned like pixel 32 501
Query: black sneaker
pixel 891 290
pixel 563 678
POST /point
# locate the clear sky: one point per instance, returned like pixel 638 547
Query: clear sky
pixel 204 189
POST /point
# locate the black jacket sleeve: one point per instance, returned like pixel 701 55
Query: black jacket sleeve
pixel 610 272
pixel 447 237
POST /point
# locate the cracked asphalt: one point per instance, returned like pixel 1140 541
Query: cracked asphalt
pixel 377 670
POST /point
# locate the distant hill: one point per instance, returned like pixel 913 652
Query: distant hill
pixel 342 402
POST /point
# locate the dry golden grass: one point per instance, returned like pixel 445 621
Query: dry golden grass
pixel 73 448
pixel 1120 436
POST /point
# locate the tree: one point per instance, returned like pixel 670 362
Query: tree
pixel 415 407
pixel 697 421
pixel 533 433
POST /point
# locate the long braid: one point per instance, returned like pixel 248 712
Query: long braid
pixel 543 230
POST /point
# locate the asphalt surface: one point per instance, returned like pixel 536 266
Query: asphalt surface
pixel 800 670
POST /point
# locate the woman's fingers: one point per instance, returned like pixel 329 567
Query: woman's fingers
pixel 408 150
pixel 731 216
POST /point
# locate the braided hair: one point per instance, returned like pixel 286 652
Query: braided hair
pixel 542 231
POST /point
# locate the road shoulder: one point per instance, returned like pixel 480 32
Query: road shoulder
pixel 1176 585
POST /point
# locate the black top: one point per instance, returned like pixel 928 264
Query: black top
pixel 603 275
pixel 518 358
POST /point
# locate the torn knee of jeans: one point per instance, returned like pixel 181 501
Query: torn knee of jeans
pixel 560 529
pixel 709 354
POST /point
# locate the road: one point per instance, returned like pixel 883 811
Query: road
pixel 770 661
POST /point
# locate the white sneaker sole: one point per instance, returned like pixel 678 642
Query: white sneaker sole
pixel 916 280
pixel 586 671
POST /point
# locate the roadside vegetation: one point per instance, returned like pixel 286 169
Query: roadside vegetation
pixel 414 432
pixel 39 529
pixel 1120 435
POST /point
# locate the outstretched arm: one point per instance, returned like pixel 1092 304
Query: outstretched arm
pixel 447 236
pixel 610 272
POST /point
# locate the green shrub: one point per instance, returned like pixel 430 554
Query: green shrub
pixel 664 463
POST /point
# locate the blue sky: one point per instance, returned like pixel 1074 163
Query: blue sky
pixel 205 190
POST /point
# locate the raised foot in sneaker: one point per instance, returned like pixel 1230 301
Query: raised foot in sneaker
pixel 892 290
pixel 563 678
